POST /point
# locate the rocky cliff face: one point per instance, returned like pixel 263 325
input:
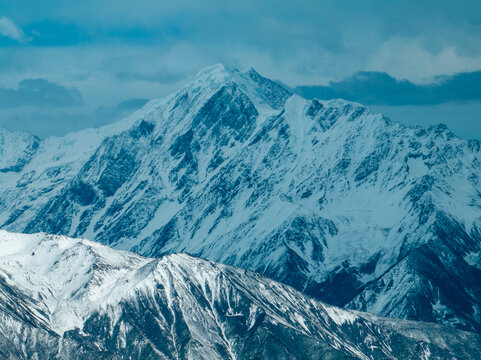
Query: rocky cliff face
pixel 75 299
pixel 325 196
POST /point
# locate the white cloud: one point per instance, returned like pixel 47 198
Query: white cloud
pixel 407 58
pixel 10 30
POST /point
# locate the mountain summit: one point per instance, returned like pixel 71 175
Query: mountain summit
pixel 325 196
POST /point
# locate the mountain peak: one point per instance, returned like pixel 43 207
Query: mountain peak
pixel 215 74
pixel 259 89
pixel 218 68
pixel 16 149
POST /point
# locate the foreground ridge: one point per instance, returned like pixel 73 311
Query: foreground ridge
pixel 73 298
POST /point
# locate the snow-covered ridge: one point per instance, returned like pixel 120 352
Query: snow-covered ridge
pixel 325 196
pixel 72 293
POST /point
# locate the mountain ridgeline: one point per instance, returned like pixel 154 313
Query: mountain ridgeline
pixel 338 202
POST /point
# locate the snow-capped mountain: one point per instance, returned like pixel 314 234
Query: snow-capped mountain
pixel 326 196
pixel 73 299
pixel 16 149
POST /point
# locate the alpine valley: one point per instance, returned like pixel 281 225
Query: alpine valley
pixel 75 299
pixel 327 197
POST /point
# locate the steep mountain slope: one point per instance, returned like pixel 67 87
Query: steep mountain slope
pixel 339 202
pixel 74 298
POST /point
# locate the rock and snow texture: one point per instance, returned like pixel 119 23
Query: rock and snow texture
pixel 326 196
pixel 74 299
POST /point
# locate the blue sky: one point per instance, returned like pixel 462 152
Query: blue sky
pixel 65 65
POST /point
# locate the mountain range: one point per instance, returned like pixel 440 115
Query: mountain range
pixel 327 197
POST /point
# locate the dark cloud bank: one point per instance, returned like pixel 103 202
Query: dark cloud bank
pixel 379 88
pixel 39 92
